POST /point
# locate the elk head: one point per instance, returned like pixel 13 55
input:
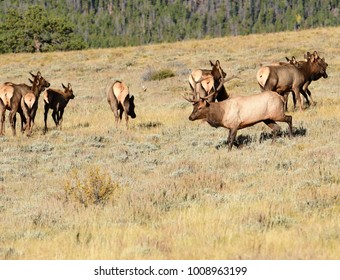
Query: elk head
pixel 318 65
pixel 42 83
pixel 68 91
pixel 217 70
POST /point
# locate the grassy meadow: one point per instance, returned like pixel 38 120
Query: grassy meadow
pixel 167 188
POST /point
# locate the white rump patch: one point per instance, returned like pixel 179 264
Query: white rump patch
pixel 6 93
pixel 120 90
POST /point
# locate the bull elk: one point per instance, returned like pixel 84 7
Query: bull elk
pixel 289 77
pixel 242 111
pixel 57 100
pixel 121 102
pixel 10 99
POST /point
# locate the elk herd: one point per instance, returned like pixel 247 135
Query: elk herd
pixel 276 82
pixel 209 97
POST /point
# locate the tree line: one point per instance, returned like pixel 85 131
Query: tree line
pixel 46 25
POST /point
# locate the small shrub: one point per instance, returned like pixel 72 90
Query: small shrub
pixel 96 188
pixel 157 75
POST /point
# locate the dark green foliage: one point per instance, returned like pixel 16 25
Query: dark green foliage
pixel 35 30
pixel 76 24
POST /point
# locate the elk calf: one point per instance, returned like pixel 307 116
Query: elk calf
pixel 57 100
pixel 243 111
pixel 121 102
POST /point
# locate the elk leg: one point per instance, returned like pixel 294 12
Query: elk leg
pixel 298 98
pixel 3 117
pixel 274 126
pixel 305 96
pixel 305 88
pixel 60 117
pixel 12 121
pixel 46 108
pixel 288 120
pixel 286 101
pixel 231 138
pixel 121 114
pixel 25 112
pixel 126 119
pixel 55 117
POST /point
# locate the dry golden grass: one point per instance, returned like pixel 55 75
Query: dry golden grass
pixel 182 195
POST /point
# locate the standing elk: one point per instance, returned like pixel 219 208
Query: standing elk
pixel 10 99
pixel 121 102
pixel 242 111
pixel 315 58
pixel 29 105
pixel 204 81
pixel 289 77
pixel 57 100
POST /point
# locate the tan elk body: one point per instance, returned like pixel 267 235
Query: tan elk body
pixel 120 101
pixel 243 111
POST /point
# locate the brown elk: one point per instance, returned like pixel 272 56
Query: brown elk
pixel 242 111
pixel 288 77
pixel 204 81
pixel 10 99
pixel 57 100
pixel 121 102
pixel 314 58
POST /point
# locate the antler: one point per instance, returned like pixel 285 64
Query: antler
pixel 190 98
pixel 197 82
pixel 209 96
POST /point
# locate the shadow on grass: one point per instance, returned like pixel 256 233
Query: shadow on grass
pixel 245 140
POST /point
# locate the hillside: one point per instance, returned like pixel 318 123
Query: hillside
pixel 178 193
pixel 112 23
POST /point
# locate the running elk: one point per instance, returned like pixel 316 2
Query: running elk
pixel 121 102
pixel 57 100
pixel 242 111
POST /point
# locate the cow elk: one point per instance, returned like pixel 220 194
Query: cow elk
pixel 29 102
pixel 57 100
pixel 204 81
pixel 242 111
pixel 121 102
pixel 291 77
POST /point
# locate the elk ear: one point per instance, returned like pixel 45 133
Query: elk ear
pixel 206 103
pixel 287 59
pixel 63 85
pixel 132 98
pixel 32 74
pixel 31 81
pixel 211 63
pixel 69 86
pixel 217 62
